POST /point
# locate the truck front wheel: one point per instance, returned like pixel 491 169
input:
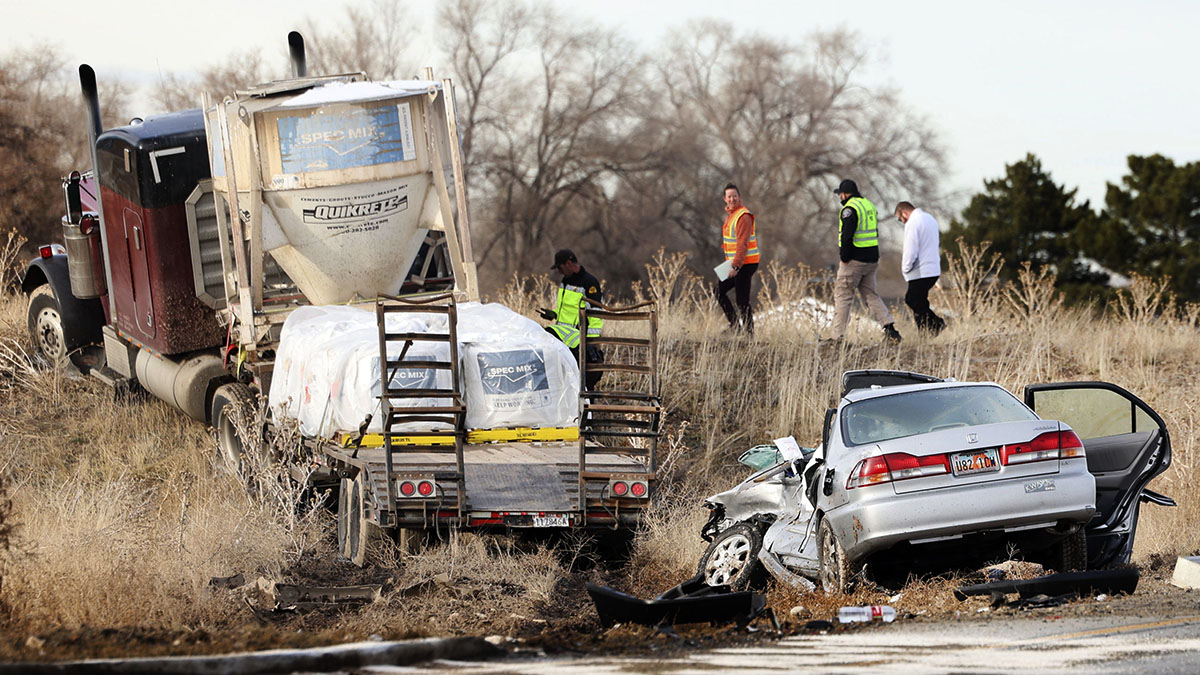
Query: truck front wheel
pixel 46 327
pixel 233 413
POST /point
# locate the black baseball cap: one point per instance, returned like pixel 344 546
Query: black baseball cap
pixel 563 255
pixel 848 186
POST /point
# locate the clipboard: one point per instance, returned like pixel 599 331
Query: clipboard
pixel 723 270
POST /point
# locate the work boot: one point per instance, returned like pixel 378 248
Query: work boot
pixel 891 334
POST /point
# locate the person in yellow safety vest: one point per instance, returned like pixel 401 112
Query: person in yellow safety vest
pixel 577 289
pixel 739 242
pixel 858 249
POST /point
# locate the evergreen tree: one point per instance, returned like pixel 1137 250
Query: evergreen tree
pixel 1028 217
pixel 1152 224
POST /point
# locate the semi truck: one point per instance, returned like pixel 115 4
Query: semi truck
pixel 196 234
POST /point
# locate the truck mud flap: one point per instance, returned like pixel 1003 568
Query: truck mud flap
pixel 1068 583
pixel 693 601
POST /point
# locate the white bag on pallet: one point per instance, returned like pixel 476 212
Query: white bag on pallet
pixel 514 373
pixel 327 368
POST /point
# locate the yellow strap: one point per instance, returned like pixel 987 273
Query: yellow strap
pixel 474 436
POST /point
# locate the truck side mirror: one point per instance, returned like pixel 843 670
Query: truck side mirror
pixel 74 204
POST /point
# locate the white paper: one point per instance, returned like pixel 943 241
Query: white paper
pixel 723 270
pixel 789 448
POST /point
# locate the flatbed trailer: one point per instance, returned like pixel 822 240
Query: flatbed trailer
pixel 595 476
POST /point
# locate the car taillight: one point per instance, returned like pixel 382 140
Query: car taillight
pixel 1050 445
pixel 893 467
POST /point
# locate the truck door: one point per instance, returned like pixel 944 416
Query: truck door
pixel 1127 444
pixel 139 270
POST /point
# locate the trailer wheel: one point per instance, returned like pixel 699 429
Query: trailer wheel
pixel 232 413
pixel 353 531
pixel 46 327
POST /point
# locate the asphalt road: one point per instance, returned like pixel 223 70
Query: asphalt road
pixel 1093 644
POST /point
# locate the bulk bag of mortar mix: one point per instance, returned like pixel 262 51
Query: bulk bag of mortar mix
pixel 327 368
pixel 515 373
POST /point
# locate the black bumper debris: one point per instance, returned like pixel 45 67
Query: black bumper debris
pixel 693 601
pixel 1069 583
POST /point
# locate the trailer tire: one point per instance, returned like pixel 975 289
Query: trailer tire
pixel 232 413
pixel 46 327
pixel 353 530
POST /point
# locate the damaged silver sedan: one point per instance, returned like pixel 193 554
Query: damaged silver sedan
pixel 914 472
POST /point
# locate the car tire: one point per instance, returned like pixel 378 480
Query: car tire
pixel 834 572
pixel 732 558
pixel 1069 554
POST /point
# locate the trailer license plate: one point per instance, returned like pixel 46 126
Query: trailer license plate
pixel 530 520
pixel 552 520
pixel 978 461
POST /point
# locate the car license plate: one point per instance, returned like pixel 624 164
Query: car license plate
pixel 530 520
pixel 978 461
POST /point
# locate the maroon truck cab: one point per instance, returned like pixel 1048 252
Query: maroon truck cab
pixel 147 171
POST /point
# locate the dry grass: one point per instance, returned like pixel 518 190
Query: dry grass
pixel 121 518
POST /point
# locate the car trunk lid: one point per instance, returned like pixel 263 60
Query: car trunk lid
pixel 961 456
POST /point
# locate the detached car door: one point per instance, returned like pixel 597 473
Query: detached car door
pixel 1127 445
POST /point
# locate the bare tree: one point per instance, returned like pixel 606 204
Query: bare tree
pixel 175 92
pixel 43 136
pixel 550 109
pixel 785 122
pixel 373 39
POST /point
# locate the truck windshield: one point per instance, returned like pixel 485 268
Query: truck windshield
pixel 917 412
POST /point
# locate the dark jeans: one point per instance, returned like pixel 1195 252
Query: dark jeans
pixel 741 290
pixel 917 299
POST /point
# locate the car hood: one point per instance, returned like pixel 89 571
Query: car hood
pixel 773 492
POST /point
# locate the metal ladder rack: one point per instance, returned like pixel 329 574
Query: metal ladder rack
pixel 450 409
pixel 616 421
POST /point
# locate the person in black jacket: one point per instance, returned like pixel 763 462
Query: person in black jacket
pixel 577 289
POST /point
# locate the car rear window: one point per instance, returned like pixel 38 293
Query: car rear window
pixel 919 412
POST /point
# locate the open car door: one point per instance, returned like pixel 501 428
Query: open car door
pixel 1127 444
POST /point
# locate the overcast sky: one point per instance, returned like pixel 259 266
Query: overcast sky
pixel 1080 84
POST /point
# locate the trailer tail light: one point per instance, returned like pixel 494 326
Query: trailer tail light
pixel 46 251
pixel 416 487
pixel 624 488
pixel 895 466
pixel 1050 445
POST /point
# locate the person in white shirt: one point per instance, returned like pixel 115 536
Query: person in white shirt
pixel 920 264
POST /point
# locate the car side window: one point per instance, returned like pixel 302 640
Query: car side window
pixel 1093 413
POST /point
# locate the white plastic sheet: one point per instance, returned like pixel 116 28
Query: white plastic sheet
pixel 514 373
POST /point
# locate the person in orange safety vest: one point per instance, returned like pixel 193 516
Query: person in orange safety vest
pixel 740 245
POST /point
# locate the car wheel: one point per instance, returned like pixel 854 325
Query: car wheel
pixel 46 327
pixel 834 573
pixel 732 558
pixel 1069 554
